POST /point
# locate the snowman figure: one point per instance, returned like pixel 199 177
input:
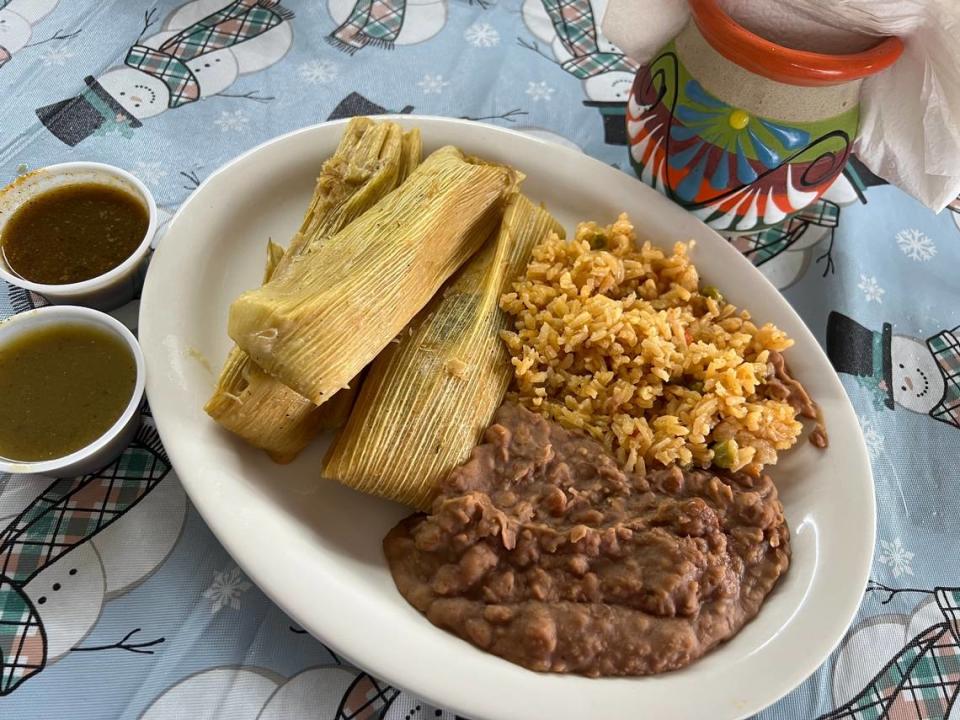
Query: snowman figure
pixel 571 28
pixel 337 692
pixel 17 18
pixel 203 48
pixel 384 23
pixel 71 546
pixel 900 666
pixel 920 376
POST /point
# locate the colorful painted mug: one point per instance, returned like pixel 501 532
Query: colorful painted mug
pixel 739 130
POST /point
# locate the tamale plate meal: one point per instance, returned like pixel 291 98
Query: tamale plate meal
pixel 335 318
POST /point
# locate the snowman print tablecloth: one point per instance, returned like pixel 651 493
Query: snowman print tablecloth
pixel 115 599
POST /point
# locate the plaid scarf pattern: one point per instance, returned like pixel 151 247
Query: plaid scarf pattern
pixel 23 645
pixel 69 512
pixel 573 20
pixel 946 351
pixel 767 244
pixel 371 22
pixel 922 681
pixel 231 25
pixel 366 697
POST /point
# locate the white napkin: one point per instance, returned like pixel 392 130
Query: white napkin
pixel 909 114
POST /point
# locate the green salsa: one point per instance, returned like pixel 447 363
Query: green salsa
pixel 73 233
pixel 61 387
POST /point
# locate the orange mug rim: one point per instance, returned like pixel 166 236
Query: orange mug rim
pixel 784 64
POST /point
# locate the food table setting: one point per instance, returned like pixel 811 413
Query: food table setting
pixel 486 359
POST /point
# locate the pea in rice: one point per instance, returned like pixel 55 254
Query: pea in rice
pixel 621 341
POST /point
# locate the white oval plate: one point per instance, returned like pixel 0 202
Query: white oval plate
pixel 314 546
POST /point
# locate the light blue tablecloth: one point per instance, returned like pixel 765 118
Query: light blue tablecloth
pixel 116 600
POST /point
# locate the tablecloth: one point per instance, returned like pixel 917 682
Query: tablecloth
pixel 115 599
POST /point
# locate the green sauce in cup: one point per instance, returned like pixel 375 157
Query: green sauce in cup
pixel 61 387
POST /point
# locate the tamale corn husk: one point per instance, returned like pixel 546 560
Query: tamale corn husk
pixel 247 401
pixel 412 153
pixel 320 320
pixel 258 408
pixel 283 422
pixel 368 164
pixel 275 253
pixel 426 401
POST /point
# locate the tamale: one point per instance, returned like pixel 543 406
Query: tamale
pixel 321 319
pixel 263 411
pixel 368 164
pixel 426 401
pixel 266 413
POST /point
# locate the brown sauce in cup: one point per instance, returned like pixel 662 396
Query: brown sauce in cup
pixel 73 233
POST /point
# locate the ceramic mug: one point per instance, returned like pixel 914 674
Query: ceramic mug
pixel 739 130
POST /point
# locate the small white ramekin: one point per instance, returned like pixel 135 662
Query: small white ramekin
pixel 107 291
pixel 108 446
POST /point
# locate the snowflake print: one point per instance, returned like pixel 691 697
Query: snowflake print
pixel 433 84
pixel 915 245
pixel 56 58
pixel 318 71
pixel 226 588
pixel 482 35
pixel 539 91
pixel 871 436
pixel 871 289
pixel 896 557
pixel 236 121
pixel 150 172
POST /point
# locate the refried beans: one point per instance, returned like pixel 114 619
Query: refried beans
pixel 540 550
pixel 781 385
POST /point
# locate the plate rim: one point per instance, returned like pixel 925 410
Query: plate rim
pixel 793 678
